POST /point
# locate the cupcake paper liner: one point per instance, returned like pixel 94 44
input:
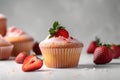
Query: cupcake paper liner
pixel 22 46
pixel 61 57
pixel 5 52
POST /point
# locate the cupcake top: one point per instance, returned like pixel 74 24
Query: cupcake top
pixel 15 34
pixel 3 42
pixel 59 37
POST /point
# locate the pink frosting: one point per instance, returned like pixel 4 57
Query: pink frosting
pixel 3 41
pixel 60 39
pixel 15 32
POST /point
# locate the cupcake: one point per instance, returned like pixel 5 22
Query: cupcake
pixel 5 48
pixel 60 50
pixel 3 24
pixel 20 39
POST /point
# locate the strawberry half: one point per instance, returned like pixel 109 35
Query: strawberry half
pixel 102 55
pixel 32 63
pixel 58 30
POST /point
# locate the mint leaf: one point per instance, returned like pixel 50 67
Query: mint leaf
pixel 51 31
pixel 55 25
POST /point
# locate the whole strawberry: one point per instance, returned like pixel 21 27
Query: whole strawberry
pixel 119 49
pixel 102 55
pixel 115 51
pixel 20 57
pixel 58 30
pixel 93 45
pixel 36 48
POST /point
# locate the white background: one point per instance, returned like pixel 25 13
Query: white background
pixel 84 19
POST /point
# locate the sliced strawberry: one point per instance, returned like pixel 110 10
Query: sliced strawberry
pixel 32 63
pixel 102 55
pixel 20 57
pixel 116 52
pixel 62 32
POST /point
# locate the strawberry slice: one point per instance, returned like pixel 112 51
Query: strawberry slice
pixel 32 63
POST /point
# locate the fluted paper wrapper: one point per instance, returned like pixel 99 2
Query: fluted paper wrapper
pixel 61 57
pixel 5 52
pixel 22 46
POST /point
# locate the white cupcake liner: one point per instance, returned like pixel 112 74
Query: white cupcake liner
pixel 5 52
pixel 22 46
pixel 61 57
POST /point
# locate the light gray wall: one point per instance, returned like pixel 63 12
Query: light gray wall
pixel 84 19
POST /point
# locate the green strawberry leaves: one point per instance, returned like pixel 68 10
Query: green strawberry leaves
pixel 56 26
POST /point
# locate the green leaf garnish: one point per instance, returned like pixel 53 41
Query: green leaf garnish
pixel 56 26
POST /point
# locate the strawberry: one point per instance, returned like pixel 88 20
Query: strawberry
pixel 36 48
pixel 32 63
pixel 58 30
pixel 20 57
pixel 62 32
pixel 93 45
pixel 102 55
pixel 116 51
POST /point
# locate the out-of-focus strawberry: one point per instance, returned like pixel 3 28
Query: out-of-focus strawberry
pixel 36 48
pixel 115 50
pixel 20 57
pixel 93 45
pixel 118 49
pixel 102 55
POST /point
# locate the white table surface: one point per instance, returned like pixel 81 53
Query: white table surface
pixel 86 70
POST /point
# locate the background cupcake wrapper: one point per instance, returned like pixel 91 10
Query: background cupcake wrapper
pixel 5 52
pixel 61 57
pixel 22 46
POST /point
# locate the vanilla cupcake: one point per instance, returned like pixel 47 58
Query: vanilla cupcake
pixel 20 39
pixel 59 50
pixel 3 24
pixel 5 48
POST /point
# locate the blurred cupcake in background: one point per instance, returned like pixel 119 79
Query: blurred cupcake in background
pixel 5 48
pixel 20 39
pixel 3 24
